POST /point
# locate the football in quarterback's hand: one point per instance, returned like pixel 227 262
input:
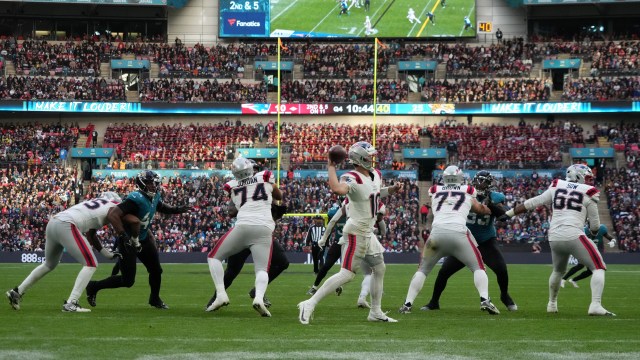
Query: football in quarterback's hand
pixel 337 154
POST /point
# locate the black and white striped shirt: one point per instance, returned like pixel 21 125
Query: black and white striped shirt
pixel 315 234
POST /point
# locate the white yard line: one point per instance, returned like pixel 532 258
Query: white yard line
pixel 285 10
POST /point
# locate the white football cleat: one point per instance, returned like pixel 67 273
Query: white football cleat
pixel 73 307
pixel 488 306
pixel 306 312
pixel 363 304
pixel 562 282
pixel 261 308
pixel 380 317
pixel 598 310
pixel 575 284
pixel 512 307
pixel 552 307
pixel 221 300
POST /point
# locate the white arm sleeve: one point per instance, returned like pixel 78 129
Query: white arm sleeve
pixel 384 192
pixel 382 228
pixel 543 199
pixel 593 215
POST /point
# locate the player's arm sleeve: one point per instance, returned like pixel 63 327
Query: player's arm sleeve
pixel 232 210
pixel 171 210
pixel 350 182
pixel 592 211
pixel 543 199
pixel 382 228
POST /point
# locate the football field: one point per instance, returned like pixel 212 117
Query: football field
pixel 388 18
pixel 123 326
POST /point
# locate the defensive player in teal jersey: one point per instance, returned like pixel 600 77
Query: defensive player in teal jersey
pixel 598 239
pixel 484 231
pixel 143 204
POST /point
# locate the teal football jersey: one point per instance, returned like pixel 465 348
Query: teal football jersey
pixel 146 210
pixel 482 226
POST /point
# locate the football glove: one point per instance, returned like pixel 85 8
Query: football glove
pixel 110 255
pixel 612 243
pixel 323 241
pixel 184 208
pixel 278 211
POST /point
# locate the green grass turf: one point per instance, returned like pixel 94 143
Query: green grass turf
pixel 123 326
pixel 388 17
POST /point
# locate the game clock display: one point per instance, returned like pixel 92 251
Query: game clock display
pixel 348 18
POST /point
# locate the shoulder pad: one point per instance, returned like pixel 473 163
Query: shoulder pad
pixel 433 189
pixel 554 183
pixel 471 190
pixel 497 197
pixel 353 175
pixel 592 191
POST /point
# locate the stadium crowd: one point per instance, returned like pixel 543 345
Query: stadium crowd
pixel 621 187
pixel 58 88
pixel 504 147
pixel 36 143
pixel 178 143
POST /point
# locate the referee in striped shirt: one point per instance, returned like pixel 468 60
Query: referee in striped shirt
pixel 313 236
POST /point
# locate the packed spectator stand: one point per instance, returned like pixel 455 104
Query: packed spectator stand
pixel 331 72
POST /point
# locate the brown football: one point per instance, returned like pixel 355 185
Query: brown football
pixel 337 154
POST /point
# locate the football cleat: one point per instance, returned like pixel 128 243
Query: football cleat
pixel 213 298
pixel 363 304
pixel 562 282
pixel 598 310
pixel 380 317
pixel 14 298
pixel 509 303
pixel 339 291
pixel 312 290
pixel 306 312
pixel 91 294
pixel 159 304
pixel 261 308
pixel 430 306
pixel 489 307
pixel 575 284
pixel 405 309
pixel 73 307
pixel 266 302
pixel 220 301
pixel 552 307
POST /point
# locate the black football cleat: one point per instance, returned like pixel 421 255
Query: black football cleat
pixel 159 304
pixel 91 293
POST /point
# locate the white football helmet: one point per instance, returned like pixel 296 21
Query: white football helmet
pixel 242 168
pixel 580 174
pixel 111 196
pixel 362 153
pixel 452 175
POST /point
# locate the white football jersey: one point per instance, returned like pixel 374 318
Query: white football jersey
pixel 451 205
pixel 87 215
pixel 364 199
pixel 571 204
pixel 252 197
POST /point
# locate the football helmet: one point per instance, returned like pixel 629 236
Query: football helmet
pixel 362 153
pixel 111 196
pixel 242 168
pixel 482 181
pixel 452 175
pixel 148 182
pixel 580 174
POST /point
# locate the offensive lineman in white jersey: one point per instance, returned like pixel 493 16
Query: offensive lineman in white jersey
pixel 573 201
pixel 252 196
pixel 449 236
pixel 66 230
pixel 363 188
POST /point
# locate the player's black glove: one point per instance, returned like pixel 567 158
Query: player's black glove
pixel 277 211
pixel 183 209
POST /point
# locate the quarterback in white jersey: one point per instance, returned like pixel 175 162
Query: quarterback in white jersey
pixel 251 195
pixel 451 203
pixel 363 188
pixel 66 230
pixel 572 201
